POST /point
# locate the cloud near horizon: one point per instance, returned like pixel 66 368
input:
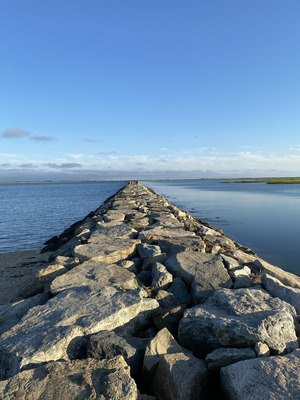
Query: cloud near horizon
pixel 15 133
pixel 42 139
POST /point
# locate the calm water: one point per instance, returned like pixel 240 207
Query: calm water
pixel 264 217
pixel 31 213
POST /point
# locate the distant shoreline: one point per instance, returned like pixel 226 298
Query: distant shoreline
pixel 277 180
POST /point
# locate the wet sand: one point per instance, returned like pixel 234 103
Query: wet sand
pixel 17 272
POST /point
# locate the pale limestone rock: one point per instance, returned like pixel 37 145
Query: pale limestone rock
pixel 46 275
pixel 112 230
pixel 240 271
pixel 272 378
pixel 225 356
pixel 11 313
pixel 261 349
pixel 162 233
pixel 95 275
pixel 180 377
pixel 45 332
pixel 166 299
pixel 109 251
pixel 231 263
pixel 79 379
pixel 129 265
pixel 114 215
pixel 239 318
pixel 278 289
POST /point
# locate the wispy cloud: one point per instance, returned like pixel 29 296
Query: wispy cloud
pixel 106 153
pixel 91 140
pixel 42 139
pixel 27 165
pixel 63 165
pixel 15 133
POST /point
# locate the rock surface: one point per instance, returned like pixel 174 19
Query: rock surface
pixel 274 378
pixel 78 379
pixel 239 318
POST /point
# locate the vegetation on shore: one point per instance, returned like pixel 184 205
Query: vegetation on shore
pixel 273 181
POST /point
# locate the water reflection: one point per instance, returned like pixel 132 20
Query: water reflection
pixel 264 217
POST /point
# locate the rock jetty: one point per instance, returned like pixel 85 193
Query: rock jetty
pixel 140 300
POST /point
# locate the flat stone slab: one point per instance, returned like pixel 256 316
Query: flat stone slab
pixel 79 379
pixel 46 331
pixel 178 244
pixel 274 378
pixel 239 318
pixel 162 233
pixel 95 275
pixel 108 251
pixel 205 273
pixel 112 230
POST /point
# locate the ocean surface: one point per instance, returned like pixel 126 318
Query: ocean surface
pixel 264 217
pixel 261 216
pixel 31 213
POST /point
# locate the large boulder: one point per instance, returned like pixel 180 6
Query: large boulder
pixel 79 379
pixel 180 376
pixel 96 275
pixel 278 289
pixel 274 378
pixel 107 250
pixel 47 332
pixel 205 273
pixel 239 318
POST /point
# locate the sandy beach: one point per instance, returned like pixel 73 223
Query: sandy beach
pixel 17 272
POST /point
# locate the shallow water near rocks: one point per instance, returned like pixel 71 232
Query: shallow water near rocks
pixel 264 217
pixel 31 213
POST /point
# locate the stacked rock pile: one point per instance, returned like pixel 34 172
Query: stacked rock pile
pixel 140 300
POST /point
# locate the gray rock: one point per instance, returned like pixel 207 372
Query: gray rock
pixel 180 377
pixel 161 278
pixel 231 263
pixel 162 343
pixel 11 313
pixel 175 245
pixel 163 233
pixel 108 251
pixel 114 215
pixel 225 356
pixel 95 275
pixel 278 289
pixel 112 230
pixel 107 345
pixel 169 318
pixel 148 250
pixel 129 265
pixel 149 262
pixel 240 271
pixel 166 299
pixel 46 332
pixel 179 290
pixel 239 318
pixel 78 379
pixel 274 378
pixel 242 282
pixel 144 277
pixel 204 272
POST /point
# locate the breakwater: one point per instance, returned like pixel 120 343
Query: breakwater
pixel 142 300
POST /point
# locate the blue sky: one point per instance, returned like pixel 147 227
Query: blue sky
pixel 94 89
